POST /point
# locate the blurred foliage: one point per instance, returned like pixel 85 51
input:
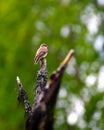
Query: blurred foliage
pixel 62 24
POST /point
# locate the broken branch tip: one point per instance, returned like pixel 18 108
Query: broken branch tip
pixel 18 81
pixel 68 57
pixel 71 52
pixel 17 78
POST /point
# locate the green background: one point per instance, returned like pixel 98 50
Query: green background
pixel 62 25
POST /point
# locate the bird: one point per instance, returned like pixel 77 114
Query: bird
pixel 41 53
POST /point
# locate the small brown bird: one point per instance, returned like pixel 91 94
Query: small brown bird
pixel 41 53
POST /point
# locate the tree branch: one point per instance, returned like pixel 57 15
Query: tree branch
pixel 22 97
pixel 41 116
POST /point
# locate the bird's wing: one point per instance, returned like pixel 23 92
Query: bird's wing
pixel 39 56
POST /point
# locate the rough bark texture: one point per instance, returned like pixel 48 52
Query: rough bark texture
pixel 41 115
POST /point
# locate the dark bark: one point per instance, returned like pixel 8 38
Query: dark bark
pixel 41 115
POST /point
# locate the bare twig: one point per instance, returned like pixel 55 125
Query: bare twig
pixel 23 97
pixel 54 84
